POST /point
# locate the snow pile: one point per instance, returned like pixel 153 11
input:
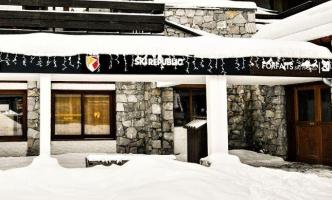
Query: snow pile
pixel 122 157
pixel 257 159
pixel 153 178
pixel 308 25
pixel 208 4
pixel 47 44
pixel 196 123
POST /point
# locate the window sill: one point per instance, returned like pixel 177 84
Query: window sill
pixel 81 139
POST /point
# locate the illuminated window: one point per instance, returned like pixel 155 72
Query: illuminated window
pixel 83 115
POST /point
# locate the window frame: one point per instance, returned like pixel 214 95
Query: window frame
pixel 24 136
pixel 83 136
pixel 190 88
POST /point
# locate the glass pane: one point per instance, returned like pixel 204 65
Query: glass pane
pixel 97 114
pixel 11 115
pixel 199 104
pixel 181 107
pixel 306 103
pixel 326 105
pixel 68 114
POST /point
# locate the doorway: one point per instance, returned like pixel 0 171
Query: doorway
pixel 311 132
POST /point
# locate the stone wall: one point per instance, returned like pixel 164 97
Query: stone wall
pixel 239 116
pixel 269 117
pixel 144 118
pixel 33 118
pixel 257 119
pixel 220 21
pixel 130 117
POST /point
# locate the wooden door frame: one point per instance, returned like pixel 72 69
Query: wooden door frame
pixel 292 115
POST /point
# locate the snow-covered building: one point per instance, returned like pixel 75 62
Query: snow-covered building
pixel 129 82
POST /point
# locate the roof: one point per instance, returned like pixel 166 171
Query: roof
pixel 50 44
pixel 208 4
pixel 308 25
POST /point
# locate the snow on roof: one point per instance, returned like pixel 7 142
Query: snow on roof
pixel 264 11
pixel 48 44
pixel 208 4
pixel 308 25
pixel 193 30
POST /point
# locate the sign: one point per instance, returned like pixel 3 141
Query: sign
pixel 291 67
pixel 164 65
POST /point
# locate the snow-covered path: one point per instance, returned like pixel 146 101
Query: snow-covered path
pixel 153 178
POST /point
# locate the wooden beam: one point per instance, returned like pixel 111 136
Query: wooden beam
pixel 123 6
pixel 82 21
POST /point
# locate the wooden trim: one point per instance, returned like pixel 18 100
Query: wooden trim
pixel 293 120
pixel 84 82
pixel 123 6
pixel 83 136
pixel 191 105
pixel 190 86
pixel 23 137
pixel 84 86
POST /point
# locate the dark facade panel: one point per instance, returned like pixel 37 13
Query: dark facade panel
pixel 123 6
pixel 82 21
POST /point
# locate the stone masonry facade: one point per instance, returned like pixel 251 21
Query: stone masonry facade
pixel 256 114
pixel 144 118
pixel 33 118
pixel 220 21
pixel 257 119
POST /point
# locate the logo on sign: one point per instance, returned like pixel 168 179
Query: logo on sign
pixel 326 66
pixel 92 62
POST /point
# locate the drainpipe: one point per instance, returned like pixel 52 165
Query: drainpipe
pixel 328 82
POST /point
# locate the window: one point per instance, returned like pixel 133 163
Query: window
pixel 81 115
pixel 306 105
pixel 13 115
pixel 326 105
pixel 189 104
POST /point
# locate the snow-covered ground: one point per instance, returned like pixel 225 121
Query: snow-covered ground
pixel 265 160
pixel 148 177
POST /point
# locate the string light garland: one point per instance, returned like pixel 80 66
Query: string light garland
pixel 166 64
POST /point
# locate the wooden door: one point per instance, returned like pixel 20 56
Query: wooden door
pixel 308 131
pixel 326 124
pixel 313 124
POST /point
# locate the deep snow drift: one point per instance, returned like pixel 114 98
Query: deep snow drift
pixel 156 178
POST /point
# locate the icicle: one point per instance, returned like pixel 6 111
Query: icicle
pixel 24 62
pixel 39 63
pixel 15 60
pixel 48 62
pixel 78 61
pixel 70 62
pixel 125 62
pixel 7 59
pixel 54 62
pixel 110 66
pixel 31 59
